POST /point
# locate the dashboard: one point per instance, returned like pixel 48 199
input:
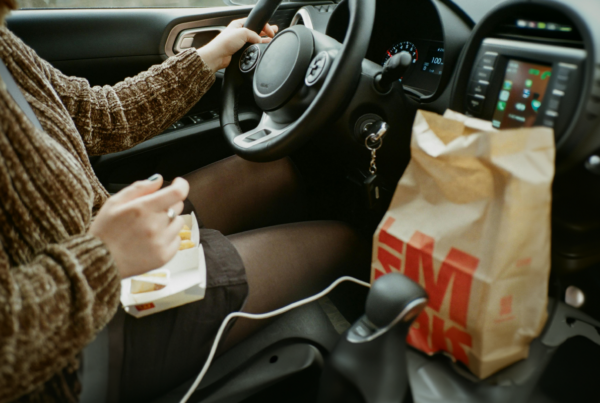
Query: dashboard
pixel 526 71
pixel 414 27
pixel 525 63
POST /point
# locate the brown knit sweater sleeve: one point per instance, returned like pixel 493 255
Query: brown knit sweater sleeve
pixel 115 118
pixel 51 308
pixel 58 285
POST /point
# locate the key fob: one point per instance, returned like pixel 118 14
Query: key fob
pixel 372 191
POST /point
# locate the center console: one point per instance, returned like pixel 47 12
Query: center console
pixel 520 84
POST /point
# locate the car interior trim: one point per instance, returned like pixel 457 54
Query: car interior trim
pixel 186 37
pixel 303 15
pixel 265 131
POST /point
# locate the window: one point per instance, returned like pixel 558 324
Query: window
pixel 29 4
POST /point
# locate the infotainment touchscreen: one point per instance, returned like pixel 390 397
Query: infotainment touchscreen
pixel 521 95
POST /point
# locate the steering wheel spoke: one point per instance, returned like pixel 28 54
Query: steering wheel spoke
pixel 266 130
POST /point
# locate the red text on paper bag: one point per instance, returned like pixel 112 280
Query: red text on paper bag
pixel 431 333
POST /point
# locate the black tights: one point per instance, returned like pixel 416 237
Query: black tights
pixel 261 208
pixel 285 259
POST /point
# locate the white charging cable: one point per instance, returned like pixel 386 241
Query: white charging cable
pixel 267 315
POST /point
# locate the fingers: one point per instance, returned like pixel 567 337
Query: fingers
pixel 172 230
pixel 178 208
pixel 172 247
pixel 171 236
pixel 139 189
pixel 167 197
pixel 269 30
pixel 252 37
pixel 239 23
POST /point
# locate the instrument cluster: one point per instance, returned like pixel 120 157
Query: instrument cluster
pixel 412 26
pixel 424 75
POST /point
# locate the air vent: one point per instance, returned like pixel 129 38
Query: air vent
pixel 302 17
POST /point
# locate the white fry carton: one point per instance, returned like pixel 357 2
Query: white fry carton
pixel 181 281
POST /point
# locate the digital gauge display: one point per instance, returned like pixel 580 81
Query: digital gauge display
pixel 400 47
pixel 434 63
pixel 424 75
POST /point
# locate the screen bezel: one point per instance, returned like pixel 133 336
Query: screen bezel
pixel 540 54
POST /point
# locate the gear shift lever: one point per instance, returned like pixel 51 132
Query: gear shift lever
pixel 368 365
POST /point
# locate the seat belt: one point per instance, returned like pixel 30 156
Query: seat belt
pixel 17 95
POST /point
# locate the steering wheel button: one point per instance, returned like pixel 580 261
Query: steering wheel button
pixel 249 58
pixel 316 68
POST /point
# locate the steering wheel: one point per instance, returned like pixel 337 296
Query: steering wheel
pixel 299 80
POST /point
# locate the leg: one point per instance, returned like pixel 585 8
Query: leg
pixel 290 262
pixel 235 195
pixel 283 264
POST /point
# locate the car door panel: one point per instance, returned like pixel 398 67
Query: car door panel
pixel 112 38
pixel 171 154
pixel 107 45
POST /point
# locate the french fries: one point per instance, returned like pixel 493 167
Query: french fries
pixel 186 238
pixel 186 244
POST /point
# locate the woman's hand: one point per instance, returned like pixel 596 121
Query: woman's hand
pixel 217 53
pixel 134 226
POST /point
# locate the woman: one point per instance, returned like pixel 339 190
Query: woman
pixel 65 244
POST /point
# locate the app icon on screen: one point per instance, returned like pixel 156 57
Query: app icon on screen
pixel 520 107
pixel 501 106
pixel 546 75
pixel 504 95
pixel 535 104
pixel 496 123
pixel 526 93
pixel 508 85
pixel 528 83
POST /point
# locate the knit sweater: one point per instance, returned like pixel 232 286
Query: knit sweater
pixel 58 284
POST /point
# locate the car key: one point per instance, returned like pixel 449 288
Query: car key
pixel 371 184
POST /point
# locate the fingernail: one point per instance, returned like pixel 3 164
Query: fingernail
pixel 154 177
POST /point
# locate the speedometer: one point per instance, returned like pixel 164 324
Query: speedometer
pixel 399 47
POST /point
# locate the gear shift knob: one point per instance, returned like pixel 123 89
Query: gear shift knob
pixel 396 296
pixel 368 365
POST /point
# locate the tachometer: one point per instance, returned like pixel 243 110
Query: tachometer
pixel 399 47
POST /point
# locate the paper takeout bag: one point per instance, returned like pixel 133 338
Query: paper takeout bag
pixel 470 222
pixel 181 281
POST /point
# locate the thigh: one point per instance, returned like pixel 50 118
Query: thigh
pixel 165 349
pixel 235 195
pixel 289 262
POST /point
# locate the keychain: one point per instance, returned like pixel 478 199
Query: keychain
pixel 373 142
